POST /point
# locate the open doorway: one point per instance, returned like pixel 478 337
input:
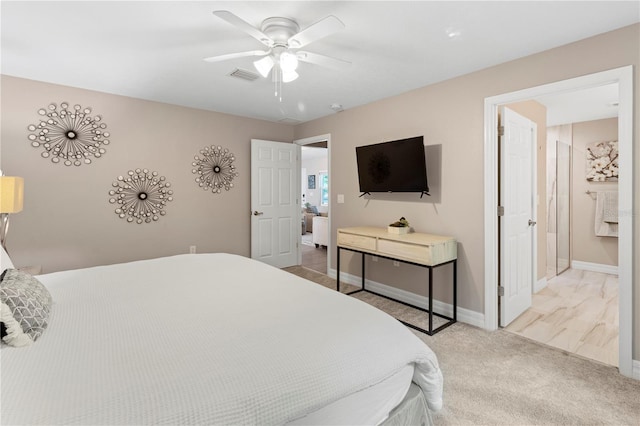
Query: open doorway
pixel 574 303
pixel 623 77
pixel 315 199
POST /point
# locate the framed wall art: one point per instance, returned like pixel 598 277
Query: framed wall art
pixel 602 161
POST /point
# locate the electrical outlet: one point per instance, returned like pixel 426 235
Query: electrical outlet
pixel 192 249
pixel 396 263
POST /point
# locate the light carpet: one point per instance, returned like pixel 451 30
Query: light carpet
pixel 499 378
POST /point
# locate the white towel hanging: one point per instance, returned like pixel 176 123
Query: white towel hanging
pixel 610 214
pixel 603 228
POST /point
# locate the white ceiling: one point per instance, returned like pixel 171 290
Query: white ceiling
pixel 153 50
pixel 584 105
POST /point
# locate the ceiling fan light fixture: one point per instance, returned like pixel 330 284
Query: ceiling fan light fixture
pixel 288 62
pixel 264 65
pixel 289 76
pixel 283 37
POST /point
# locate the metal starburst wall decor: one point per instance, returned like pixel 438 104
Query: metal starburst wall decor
pixel 69 135
pixel 215 169
pixel 141 195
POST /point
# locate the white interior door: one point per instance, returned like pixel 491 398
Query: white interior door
pixel 517 225
pixel 275 209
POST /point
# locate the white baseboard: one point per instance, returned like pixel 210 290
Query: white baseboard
pixel 594 267
pixel 463 315
pixel 635 369
pixel 542 283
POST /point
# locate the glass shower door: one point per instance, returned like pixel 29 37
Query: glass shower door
pixel 563 208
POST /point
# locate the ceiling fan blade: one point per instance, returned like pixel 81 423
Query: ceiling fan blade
pixel 325 61
pixel 228 56
pixel 244 26
pixel 320 29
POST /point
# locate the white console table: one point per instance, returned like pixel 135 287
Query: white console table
pixel 425 250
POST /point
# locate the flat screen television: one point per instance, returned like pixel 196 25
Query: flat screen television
pixel 396 166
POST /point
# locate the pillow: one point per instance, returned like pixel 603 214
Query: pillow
pixel 5 263
pixel 312 209
pixel 5 260
pixel 24 307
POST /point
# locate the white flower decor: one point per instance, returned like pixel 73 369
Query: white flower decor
pixel 215 169
pixel 602 161
pixel 142 196
pixel 70 135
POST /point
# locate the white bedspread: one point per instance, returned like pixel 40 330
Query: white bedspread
pixel 201 339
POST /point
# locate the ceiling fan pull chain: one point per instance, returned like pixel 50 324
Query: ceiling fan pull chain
pixel 277 76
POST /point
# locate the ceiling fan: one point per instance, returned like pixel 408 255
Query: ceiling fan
pixel 283 38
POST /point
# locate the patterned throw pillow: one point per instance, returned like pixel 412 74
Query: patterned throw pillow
pixel 24 307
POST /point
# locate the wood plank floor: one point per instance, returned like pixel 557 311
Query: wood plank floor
pixel 312 257
pixel 576 312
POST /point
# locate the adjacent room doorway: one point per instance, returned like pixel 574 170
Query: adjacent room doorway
pixel 315 205
pixel 622 76
pixel 315 193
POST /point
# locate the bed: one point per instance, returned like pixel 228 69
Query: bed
pixel 213 339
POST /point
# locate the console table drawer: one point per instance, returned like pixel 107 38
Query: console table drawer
pixel 432 254
pixel 407 251
pixel 357 241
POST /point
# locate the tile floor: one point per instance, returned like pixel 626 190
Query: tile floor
pixel 312 257
pixel 576 312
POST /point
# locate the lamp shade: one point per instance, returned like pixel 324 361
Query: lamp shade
pixel 11 194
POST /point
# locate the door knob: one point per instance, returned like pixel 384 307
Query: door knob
pixel 532 222
pixel 257 213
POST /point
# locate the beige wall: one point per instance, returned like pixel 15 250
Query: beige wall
pixel 67 221
pixel 451 113
pixel 588 247
pixel 537 113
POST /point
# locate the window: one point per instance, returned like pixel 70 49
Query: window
pixel 323 177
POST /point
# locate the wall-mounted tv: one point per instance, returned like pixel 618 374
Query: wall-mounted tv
pixel 396 166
